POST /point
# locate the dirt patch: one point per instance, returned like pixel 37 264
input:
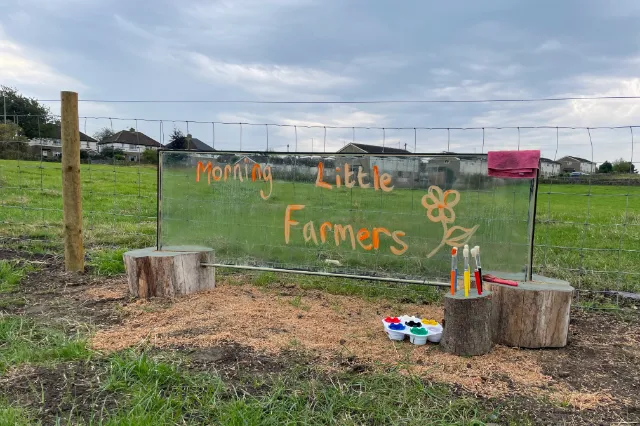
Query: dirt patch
pixel 56 296
pixel 234 330
pixel 327 325
pixel 67 390
pixel 602 358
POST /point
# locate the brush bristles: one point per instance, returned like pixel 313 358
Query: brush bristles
pixel 465 252
pixel 474 252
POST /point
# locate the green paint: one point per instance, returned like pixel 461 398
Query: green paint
pixel 419 331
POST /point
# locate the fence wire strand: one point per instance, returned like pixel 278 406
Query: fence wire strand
pixel 600 257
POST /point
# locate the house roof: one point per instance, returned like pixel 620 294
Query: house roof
pixel 56 133
pixel 194 145
pixel 582 160
pixel 548 160
pixel 375 149
pixel 257 159
pixel 131 137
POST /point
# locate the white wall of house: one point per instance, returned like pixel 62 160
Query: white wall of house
pixel 587 167
pixel 473 166
pixel 84 145
pixel 549 169
pixel 127 147
pixel 396 164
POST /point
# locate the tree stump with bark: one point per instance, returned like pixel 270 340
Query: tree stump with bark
pixel 535 314
pixel 467 321
pixel 153 273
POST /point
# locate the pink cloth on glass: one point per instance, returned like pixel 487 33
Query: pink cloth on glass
pixel 514 164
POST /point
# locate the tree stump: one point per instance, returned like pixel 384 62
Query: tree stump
pixel 533 315
pixel 467 323
pixel 153 273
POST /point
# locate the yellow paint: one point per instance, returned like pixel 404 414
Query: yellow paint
pixel 467 283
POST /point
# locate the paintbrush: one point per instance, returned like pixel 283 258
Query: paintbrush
pixel 454 270
pixel 479 265
pixel 476 272
pixel 467 277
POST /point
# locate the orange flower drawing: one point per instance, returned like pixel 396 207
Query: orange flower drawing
pixel 439 207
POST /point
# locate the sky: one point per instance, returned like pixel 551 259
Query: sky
pixel 336 50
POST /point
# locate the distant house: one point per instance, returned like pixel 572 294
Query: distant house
pixel 360 148
pixel 131 142
pixel 404 171
pixel 445 170
pixel 252 159
pixel 189 143
pixel 549 167
pixel 52 147
pixel 570 164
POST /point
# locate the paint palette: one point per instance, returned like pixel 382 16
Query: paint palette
pixel 419 330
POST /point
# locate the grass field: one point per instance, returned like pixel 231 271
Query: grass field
pixel 243 228
pixel 586 234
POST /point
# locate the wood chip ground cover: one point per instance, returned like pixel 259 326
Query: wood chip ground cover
pixel 594 378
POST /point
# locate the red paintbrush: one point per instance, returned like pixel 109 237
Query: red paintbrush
pixel 476 272
pixel 494 279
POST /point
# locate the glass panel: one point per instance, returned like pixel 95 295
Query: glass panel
pixel 374 215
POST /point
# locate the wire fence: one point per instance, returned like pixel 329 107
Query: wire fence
pixel 587 226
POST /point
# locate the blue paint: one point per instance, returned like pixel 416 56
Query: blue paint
pixel 396 327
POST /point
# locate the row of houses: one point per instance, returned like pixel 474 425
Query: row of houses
pixel 469 164
pixel 133 144
pixel 130 142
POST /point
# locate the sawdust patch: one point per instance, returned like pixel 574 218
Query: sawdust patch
pixel 322 323
pixel 111 292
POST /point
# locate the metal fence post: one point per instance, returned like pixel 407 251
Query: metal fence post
pixel 71 191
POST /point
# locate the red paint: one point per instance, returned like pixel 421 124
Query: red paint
pixel 478 282
pixel 392 320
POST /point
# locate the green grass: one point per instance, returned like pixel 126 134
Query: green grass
pixel 14 416
pixel 11 273
pixel 339 286
pixel 596 256
pixel 119 207
pixel 231 217
pixel 23 341
pixel 156 393
pixel 107 262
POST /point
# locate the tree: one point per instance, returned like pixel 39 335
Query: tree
pixel 150 156
pixel 34 118
pixel 111 153
pixel 605 167
pixel 13 143
pixel 175 135
pixel 11 132
pixel 103 133
pixel 621 166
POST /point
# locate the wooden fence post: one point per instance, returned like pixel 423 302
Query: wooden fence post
pixel 71 192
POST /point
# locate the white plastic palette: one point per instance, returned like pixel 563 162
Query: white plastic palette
pixel 434 332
